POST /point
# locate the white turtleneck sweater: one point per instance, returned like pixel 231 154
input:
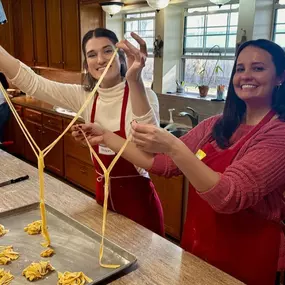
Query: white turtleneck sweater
pixel 72 97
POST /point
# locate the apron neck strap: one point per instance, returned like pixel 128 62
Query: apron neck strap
pixel 124 107
pixel 262 123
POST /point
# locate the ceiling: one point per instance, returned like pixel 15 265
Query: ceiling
pixel 135 2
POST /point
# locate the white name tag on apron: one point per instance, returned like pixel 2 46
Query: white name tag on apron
pixel 105 150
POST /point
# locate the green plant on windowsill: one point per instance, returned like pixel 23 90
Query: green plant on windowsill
pixel 203 73
pixel 180 87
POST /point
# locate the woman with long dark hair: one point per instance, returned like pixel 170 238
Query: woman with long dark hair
pixel 121 98
pixel 235 165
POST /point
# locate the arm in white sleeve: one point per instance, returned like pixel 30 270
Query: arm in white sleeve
pixel 152 117
pixel 69 96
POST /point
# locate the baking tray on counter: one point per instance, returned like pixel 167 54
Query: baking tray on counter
pixel 76 246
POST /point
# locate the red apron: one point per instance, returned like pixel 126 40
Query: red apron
pixel 131 194
pixel 243 244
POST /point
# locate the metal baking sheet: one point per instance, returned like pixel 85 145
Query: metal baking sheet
pixel 76 246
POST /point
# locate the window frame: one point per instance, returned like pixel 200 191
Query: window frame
pixel 125 20
pixel 276 7
pixel 230 52
pixel 204 49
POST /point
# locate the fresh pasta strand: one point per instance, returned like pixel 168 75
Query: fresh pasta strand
pixel 40 165
pixel 42 153
pixel 20 122
pixel 89 98
pixel 106 193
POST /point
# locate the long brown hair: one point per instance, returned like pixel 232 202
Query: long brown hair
pixel 89 81
pixel 235 108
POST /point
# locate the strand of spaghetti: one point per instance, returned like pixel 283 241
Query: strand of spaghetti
pixel 87 101
pixel 19 121
pixel 106 193
pixel 40 159
pixel 42 200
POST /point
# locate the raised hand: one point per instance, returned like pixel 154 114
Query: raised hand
pixel 136 58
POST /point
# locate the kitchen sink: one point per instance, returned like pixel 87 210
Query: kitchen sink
pixel 163 125
pixel 180 132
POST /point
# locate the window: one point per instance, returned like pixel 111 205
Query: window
pixel 279 23
pixel 144 25
pixel 209 35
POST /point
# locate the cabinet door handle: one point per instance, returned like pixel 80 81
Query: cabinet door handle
pixel 49 121
pixel 83 171
pixel 43 132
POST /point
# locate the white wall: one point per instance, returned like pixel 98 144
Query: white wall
pixel 173 25
pixel 263 19
pixel 115 24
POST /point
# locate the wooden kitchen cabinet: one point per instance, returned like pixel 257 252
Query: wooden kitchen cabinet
pixel 70 15
pixel 48 33
pixel 54 33
pixel 51 130
pixel 23 30
pixel 6 30
pixel 35 130
pixel 15 134
pixel 40 33
pixel 80 173
pixel 79 167
pixel 54 159
pixel 170 192
pixel 63 29
pixel 30 31
pixel 33 122
pixel 45 128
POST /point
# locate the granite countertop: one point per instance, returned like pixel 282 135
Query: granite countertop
pixel 159 261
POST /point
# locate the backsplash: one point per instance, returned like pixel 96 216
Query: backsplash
pixel 205 108
pixel 60 76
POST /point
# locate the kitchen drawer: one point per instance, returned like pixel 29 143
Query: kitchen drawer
pixel 19 110
pixel 80 173
pixel 52 122
pixel 76 149
pixel 33 115
pixel 66 122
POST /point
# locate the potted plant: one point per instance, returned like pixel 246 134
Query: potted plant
pixel 204 84
pixel 180 87
pixel 220 87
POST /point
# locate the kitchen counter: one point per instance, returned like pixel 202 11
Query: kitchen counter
pixel 159 261
pixel 39 105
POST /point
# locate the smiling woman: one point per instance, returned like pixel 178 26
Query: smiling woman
pixel 234 163
pixel 121 98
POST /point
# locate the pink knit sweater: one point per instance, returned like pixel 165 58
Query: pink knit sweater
pixel 255 179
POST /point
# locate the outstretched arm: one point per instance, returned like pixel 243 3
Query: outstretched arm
pixel 8 64
pixel 55 93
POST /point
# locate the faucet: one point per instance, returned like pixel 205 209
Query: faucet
pixel 171 125
pixel 194 117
